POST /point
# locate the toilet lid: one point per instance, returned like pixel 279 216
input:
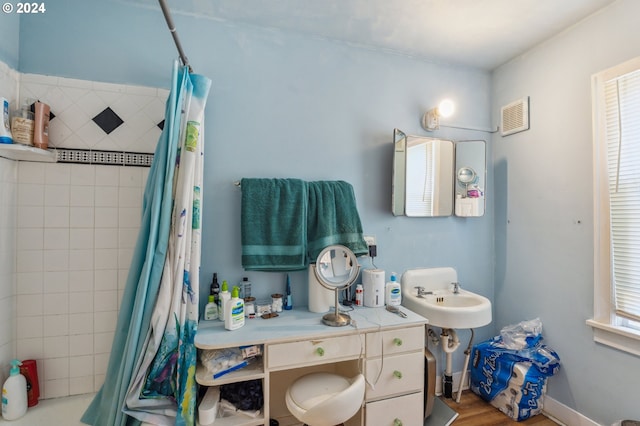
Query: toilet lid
pixel 312 389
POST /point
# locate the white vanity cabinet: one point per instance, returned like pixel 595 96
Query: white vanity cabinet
pixel 381 345
pixel 395 371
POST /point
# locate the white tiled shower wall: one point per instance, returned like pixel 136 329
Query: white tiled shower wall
pixel 8 199
pixel 68 231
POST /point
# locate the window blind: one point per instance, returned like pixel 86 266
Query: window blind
pixel 622 106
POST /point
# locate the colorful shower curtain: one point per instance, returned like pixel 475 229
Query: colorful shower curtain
pixel 151 371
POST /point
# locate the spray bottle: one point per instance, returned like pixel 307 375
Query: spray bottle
pixel 14 393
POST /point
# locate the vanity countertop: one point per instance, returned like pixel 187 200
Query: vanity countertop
pixel 298 324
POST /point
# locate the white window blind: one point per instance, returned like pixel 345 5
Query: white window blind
pixel 622 106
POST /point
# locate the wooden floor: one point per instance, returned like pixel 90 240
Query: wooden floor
pixel 473 411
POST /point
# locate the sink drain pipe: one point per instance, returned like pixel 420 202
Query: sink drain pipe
pixel 450 342
pixel 467 354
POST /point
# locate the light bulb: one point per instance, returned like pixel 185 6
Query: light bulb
pixel 446 108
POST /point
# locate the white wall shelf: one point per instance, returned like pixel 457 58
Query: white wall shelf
pixel 28 153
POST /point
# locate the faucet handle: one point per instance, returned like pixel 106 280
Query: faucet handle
pixel 419 288
pixel 456 287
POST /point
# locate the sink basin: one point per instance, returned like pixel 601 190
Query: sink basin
pixel 442 307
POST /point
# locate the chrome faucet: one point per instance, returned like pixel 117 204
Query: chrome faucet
pixel 422 292
pixel 456 287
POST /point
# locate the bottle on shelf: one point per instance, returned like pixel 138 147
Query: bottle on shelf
pixel 393 294
pixel 234 310
pixel 288 301
pixel 245 288
pixel 211 309
pixel 224 298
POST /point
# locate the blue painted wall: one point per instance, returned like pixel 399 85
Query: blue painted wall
pixel 9 36
pixel 544 209
pixel 285 105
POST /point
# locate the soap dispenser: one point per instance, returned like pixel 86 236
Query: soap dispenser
pixel 234 311
pixel 225 296
pixel 14 393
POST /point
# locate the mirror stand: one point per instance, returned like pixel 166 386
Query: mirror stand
pixel 336 269
pixel 336 318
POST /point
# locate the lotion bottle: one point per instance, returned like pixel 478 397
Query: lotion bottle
pixel 224 298
pixel 234 311
pixel 393 294
pixel 211 309
pixel 41 125
pixel 14 393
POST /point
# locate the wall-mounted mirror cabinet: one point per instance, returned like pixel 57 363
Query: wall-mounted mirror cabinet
pixel 436 177
pixel 422 176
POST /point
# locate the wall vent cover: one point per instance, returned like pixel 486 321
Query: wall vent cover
pixel 514 117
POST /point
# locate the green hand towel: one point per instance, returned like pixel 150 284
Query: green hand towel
pixel 333 218
pixel 274 224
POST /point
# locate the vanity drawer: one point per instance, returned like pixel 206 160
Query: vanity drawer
pixel 401 411
pixel 395 341
pixel 312 352
pixel 400 374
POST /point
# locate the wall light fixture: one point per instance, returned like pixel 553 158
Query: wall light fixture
pixel 431 118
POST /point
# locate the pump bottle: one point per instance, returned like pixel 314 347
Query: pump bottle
pixel 211 309
pixel 14 393
pixel 224 298
pixel 234 311
pixel 393 295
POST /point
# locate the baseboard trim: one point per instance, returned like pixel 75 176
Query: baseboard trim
pixel 564 415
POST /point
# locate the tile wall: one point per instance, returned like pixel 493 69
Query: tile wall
pixel 76 230
pixel 74 227
pixel 8 198
pixel 98 116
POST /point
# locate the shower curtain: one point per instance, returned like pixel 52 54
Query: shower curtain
pixel 151 371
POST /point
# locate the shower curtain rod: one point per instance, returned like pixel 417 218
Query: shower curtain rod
pixel 172 29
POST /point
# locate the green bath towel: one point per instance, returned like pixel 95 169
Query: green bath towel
pixel 274 224
pixel 333 218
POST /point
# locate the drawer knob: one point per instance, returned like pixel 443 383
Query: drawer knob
pixel 397 341
pixel 397 422
pixel 397 374
pixel 320 351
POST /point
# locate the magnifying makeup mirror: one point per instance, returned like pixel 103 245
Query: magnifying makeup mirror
pixel 466 175
pixel 336 269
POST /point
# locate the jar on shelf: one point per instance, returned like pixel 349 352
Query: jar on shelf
pixel 22 125
pixel 276 302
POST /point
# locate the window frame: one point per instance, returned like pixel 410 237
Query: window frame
pixel 608 328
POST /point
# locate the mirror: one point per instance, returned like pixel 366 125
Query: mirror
pixel 470 178
pixel 422 176
pixel 336 269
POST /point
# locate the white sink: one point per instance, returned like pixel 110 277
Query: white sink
pixel 441 306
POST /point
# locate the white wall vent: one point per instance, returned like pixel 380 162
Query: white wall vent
pixel 514 117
